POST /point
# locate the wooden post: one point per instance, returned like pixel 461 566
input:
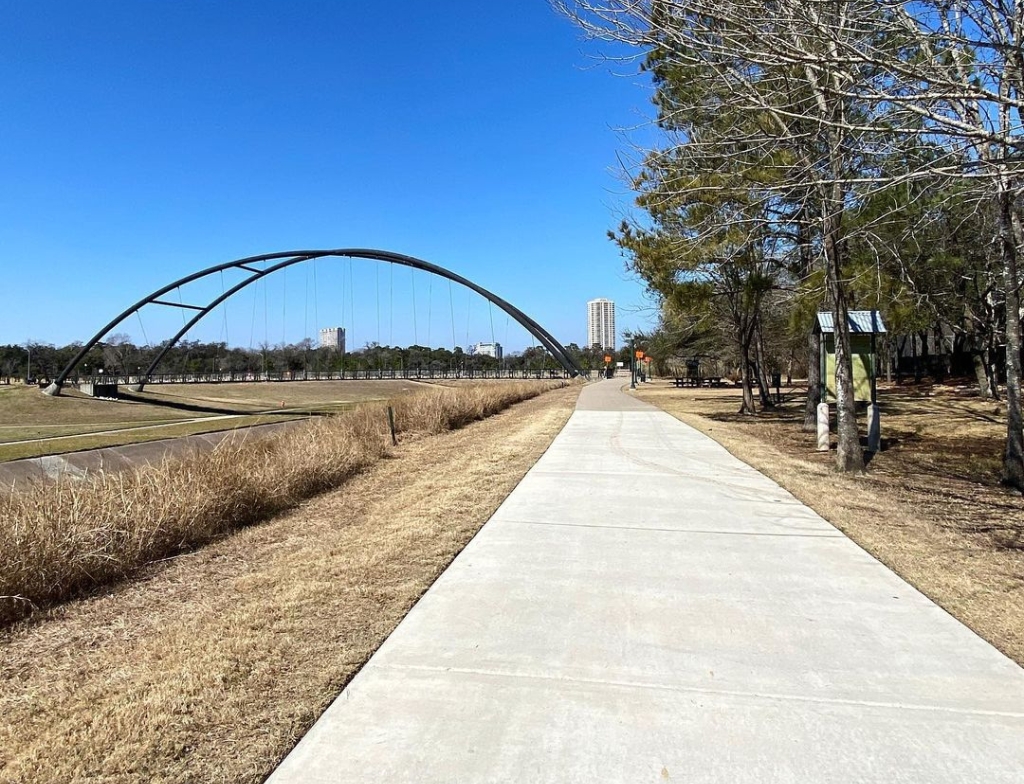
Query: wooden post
pixel 874 425
pixel 391 424
pixel 874 429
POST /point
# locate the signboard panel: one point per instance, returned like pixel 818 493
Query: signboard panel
pixel 860 349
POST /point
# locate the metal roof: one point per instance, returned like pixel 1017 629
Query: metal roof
pixel 860 321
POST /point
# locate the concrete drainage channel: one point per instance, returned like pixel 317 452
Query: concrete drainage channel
pixel 78 465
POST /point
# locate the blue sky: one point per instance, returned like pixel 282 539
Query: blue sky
pixel 140 141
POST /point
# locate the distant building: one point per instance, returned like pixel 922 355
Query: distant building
pixel 487 350
pixel 333 338
pixel 601 324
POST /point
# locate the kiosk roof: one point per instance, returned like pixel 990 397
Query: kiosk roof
pixel 860 321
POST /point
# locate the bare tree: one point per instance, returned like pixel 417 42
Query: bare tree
pixel 963 93
pixel 117 350
pixel 794 102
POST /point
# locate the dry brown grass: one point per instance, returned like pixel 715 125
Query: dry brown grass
pixel 930 506
pixel 263 395
pixel 135 434
pixel 58 539
pixel 212 665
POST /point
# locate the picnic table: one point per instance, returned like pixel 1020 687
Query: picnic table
pixel 697 381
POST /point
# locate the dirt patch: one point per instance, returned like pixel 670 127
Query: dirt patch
pixel 930 506
pixel 215 663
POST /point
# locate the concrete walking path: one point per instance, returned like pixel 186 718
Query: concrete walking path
pixel 646 608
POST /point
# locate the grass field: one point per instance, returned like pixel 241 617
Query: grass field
pixel 930 506
pixel 27 413
pixel 33 424
pixel 315 396
pixel 211 666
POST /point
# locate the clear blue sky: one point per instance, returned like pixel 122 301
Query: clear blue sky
pixel 140 141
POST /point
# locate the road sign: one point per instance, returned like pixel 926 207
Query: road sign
pixel 607 358
pixel 639 354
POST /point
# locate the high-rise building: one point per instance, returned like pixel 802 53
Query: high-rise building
pixel 487 350
pixel 601 323
pixel 333 337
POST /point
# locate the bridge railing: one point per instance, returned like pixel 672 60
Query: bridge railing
pixel 379 374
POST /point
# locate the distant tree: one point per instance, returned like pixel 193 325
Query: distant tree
pixel 118 351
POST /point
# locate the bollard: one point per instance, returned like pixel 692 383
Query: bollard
pixel 823 434
pixel 874 428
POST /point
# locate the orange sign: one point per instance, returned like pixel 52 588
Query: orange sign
pixel 639 354
pixel 607 358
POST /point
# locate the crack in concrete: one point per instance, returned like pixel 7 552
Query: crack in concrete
pixel 756 695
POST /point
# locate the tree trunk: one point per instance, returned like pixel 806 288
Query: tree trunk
pixel 763 391
pixel 889 345
pixel 849 455
pixel 813 339
pixel 981 372
pixel 943 358
pixel 991 345
pixel 763 386
pixel 1013 459
pixel 813 381
pixel 992 367
pixel 901 349
pixel 926 355
pixel 917 359
pixel 748 393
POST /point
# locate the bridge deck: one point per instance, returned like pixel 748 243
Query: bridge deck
pixel 645 607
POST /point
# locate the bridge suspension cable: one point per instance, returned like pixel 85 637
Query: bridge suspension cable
pixel 273 262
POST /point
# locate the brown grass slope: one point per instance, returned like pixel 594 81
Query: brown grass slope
pixel 212 665
pixel 59 539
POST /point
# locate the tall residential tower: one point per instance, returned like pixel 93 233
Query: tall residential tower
pixel 333 338
pixel 601 324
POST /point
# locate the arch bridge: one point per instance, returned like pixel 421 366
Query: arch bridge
pixel 282 260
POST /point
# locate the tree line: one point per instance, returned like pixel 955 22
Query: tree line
pixel 830 155
pixel 119 356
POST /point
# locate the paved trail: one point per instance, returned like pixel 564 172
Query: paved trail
pixel 646 608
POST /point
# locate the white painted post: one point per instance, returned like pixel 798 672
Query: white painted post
pixel 874 428
pixel 823 435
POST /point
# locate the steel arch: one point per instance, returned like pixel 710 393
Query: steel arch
pixel 286 259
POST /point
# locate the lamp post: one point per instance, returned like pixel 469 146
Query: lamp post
pixel 632 363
